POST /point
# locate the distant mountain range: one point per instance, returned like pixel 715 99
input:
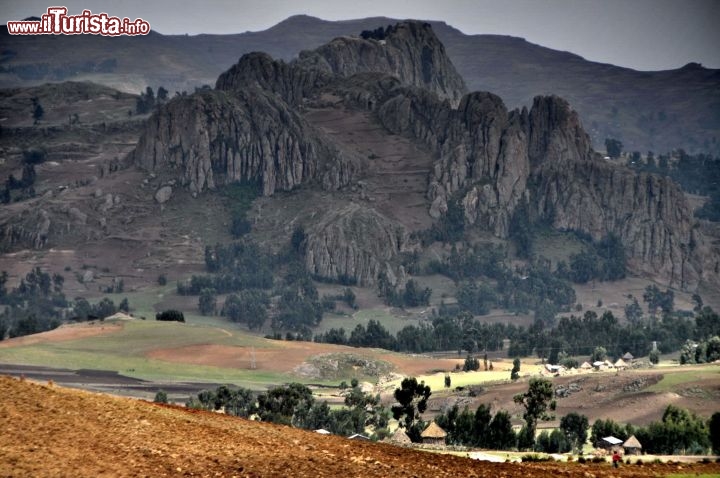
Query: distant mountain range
pixel 656 111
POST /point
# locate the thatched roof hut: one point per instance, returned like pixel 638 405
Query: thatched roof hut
pixel 632 446
pixel 433 435
pixel 399 438
pixel 586 366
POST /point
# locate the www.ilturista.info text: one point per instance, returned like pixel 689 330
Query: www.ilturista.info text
pixel 57 22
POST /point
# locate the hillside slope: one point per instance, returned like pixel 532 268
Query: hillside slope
pixel 50 431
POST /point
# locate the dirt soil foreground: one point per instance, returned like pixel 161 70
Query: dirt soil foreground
pixel 49 431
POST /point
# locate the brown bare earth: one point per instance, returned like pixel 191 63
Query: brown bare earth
pixel 49 431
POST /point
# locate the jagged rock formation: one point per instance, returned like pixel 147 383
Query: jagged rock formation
pixel 491 159
pixel 409 51
pixel 647 212
pixel 355 243
pixel 292 82
pixel 494 159
pixel 216 137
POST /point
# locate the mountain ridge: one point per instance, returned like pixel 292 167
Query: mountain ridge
pixel 657 111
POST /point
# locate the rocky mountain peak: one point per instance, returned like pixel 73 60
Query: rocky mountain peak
pixel 556 132
pixel 409 50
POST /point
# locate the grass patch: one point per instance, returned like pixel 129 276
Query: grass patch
pixel 672 380
pixel 125 352
pixel 436 381
pixel 392 323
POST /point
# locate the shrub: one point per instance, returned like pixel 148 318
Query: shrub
pixel 160 397
pixel 170 316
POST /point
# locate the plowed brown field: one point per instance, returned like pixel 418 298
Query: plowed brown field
pixel 49 431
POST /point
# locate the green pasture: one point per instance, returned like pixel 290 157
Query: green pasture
pixel 335 321
pixel 125 352
pixel 674 379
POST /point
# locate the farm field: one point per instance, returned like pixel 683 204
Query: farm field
pixel 100 435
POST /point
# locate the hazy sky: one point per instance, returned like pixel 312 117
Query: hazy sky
pixel 640 34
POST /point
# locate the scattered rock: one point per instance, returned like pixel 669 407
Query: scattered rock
pixel 163 194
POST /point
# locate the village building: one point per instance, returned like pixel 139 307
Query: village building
pixel 610 443
pixel 628 357
pixel 632 446
pixel 399 438
pixel 433 435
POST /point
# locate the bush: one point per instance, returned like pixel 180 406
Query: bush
pixel 160 397
pixel 170 316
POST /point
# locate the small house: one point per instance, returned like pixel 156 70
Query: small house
pixel 433 435
pixel 610 443
pixel 628 357
pixel 399 438
pixel 620 364
pixel 585 366
pixel 632 446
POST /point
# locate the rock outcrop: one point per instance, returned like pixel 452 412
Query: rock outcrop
pixel 647 212
pixel 251 128
pixel 217 137
pixel 410 51
pixel 292 82
pixel 355 243
pixel 494 159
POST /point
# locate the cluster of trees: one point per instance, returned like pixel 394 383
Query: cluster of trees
pixel 483 429
pixel 239 197
pixel 294 405
pixel 705 351
pixel 147 100
pixel 460 332
pixel 248 307
pixel 170 316
pixel 572 336
pixel 24 185
pixel 38 304
pixel 536 288
pixel 378 34
pixel 603 260
pixel 237 266
pixel 413 295
pixel 35 305
pixel 679 432
pixel 479 429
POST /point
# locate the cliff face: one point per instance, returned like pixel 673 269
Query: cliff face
pixel 647 212
pixel 494 160
pixel 214 138
pixel 354 242
pixel 410 51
